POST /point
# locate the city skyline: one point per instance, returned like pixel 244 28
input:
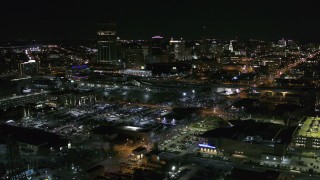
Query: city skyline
pixel 165 90
pixel 270 20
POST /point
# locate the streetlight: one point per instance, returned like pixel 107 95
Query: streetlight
pixel 173 168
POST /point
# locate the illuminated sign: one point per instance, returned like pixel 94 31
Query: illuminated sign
pixel 79 67
pixel 206 146
pixel 26 90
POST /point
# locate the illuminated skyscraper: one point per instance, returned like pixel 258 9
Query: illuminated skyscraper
pixel 177 50
pixel 231 46
pixel 282 43
pixel 107 43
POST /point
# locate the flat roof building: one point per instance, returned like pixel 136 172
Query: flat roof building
pixel 308 134
pixel 32 139
pixel 249 138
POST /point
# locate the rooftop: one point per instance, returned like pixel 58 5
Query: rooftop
pixel 242 129
pixel 310 128
pixel 32 136
pixel 252 174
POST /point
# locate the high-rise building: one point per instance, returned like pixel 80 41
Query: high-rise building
pixel 204 47
pixel 282 43
pixel 178 51
pixel 29 68
pixel 107 43
pixel 158 51
pixel 230 47
pixel 133 56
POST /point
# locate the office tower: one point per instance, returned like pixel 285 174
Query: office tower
pixel 204 47
pixel 282 43
pixel 133 56
pixel 158 45
pixel 177 50
pixel 29 68
pixel 290 42
pixel 107 43
pixel 158 51
pixel 230 47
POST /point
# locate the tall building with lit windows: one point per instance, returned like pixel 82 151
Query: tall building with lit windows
pixel 107 43
pixel 177 51
pixel 230 47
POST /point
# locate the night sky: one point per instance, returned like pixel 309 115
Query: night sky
pixel 76 19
